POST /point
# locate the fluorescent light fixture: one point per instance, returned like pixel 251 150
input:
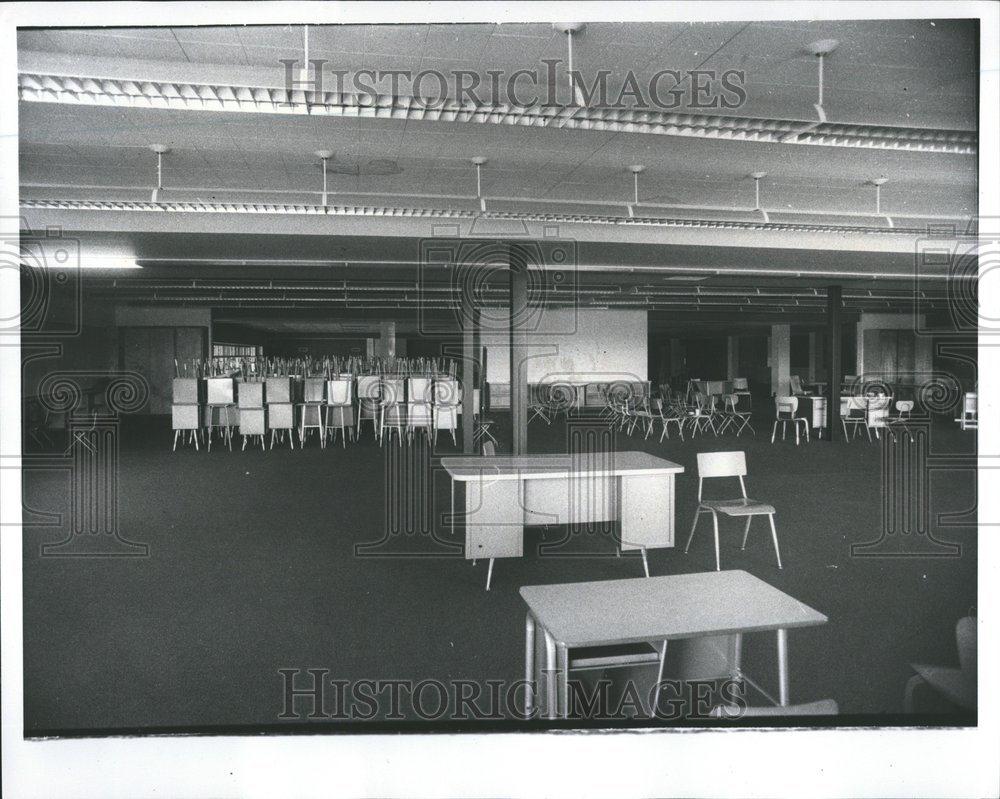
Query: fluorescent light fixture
pixel 121 93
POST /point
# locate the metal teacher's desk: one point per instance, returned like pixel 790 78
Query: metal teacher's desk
pixel 505 493
pixel 656 609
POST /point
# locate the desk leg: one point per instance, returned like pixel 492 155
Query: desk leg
pixel 783 667
pixel 550 674
pixel 659 679
pixel 529 665
pixel 563 662
pixel 453 507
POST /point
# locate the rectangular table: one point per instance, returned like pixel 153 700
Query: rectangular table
pixel 660 609
pixel 505 493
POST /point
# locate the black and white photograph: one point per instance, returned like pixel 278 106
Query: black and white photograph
pixel 473 399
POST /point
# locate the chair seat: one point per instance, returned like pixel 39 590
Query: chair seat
pixel 955 684
pixel 737 507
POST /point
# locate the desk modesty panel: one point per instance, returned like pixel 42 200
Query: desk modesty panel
pixel 505 493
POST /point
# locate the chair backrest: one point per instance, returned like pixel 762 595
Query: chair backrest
pixel 722 464
pixel 338 392
pixel 859 404
pixel 795 384
pixel 904 406
pixel 393 390
pixel 446 391
pixel 967 637
pixel 314 389
pixel 971 405
pixel 740 384
pixel 421 390
pixel 785 407
pixel 730 402
pixel 823 707
pixel 489 450
pixel 369 387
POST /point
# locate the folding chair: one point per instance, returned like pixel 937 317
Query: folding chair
pixel 729 464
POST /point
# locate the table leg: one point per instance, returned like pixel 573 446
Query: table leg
pixel 529 665
pixel 453 507
pixel 659 679
pixel 550 673
pixel 783 667
pixel 563 662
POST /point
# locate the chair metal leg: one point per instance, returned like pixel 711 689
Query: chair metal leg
pixel 489 574
pixel 693 525
pixel 796 426
pixel 746 532
pixel 774 537
pixel 176 433
pixel 715 526
pixel 645 563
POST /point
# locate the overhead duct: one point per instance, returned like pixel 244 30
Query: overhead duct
pixel 78 90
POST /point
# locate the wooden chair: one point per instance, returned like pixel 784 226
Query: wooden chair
pixel 785 409
pixel 729 464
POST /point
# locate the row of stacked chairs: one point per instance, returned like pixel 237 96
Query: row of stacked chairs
pixel 286 407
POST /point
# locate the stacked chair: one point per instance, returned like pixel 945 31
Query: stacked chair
pixel 280 408
pixel 251 411
pixel 185 411
pixel 340 407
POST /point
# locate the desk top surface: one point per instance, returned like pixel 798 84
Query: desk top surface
pixel 657 608
pixel 552 467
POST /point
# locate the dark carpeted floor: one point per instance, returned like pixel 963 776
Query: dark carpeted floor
pixel 329 559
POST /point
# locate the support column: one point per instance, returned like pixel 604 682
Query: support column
pixel 732 356
pixel 780 359
pixel 387 339
pixel 833 362
pixel 518 313
pixel 812 358
pixel 469 324
pixel 676 358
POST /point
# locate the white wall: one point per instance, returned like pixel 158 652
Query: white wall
pixel 592 345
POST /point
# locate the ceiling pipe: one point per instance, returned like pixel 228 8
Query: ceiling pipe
pixel 569 28
pixel 757 176
pixel 160 150
pixel 324 157
pixel 821 50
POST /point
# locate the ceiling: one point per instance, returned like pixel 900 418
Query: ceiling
pixel 912 74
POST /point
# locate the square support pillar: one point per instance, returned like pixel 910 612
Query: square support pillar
pixel 387 339
pixel 780 359
pixel 470 322
pixel 518 314
pixel 812 357
pixel 835 371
